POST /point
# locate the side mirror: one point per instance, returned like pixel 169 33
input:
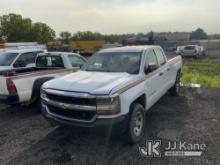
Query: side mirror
pixel 151 67
pixel 20 63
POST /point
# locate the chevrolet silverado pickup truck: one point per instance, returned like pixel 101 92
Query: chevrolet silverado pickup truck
pixel 114 89
pixel 23 85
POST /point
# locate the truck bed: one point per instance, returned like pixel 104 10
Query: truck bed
pixel 169 57
pixel 18 72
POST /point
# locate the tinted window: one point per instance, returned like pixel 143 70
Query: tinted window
pixel 29 58
pixel 115 62
pixel 76 61
pixel 49 61
pixel 160 57
pixel 190 48
pixel 7 58
pixel 151 58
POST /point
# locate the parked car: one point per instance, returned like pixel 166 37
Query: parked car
pixel 191 51
pixel 23 58
pixel 114 89
pixel 23 85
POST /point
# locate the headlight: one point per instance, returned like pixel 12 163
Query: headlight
pixel 108 106
pixel 43 94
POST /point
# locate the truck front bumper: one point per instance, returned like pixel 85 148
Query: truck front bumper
pixel 9 100
pixel 117 125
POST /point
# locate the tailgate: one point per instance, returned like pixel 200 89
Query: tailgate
pixel 3 87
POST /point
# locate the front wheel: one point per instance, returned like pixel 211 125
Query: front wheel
pixel 136 125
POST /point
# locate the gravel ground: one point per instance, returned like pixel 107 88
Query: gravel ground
pixel 194 117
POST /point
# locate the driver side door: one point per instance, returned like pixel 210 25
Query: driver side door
pixel 153 83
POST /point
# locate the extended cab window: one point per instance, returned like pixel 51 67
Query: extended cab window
pixel 49 61
pixel 160 57
pixel 76 61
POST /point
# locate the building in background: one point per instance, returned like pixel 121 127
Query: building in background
pixel 170 41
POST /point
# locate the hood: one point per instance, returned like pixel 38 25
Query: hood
pixel 3 68
pixel 90 82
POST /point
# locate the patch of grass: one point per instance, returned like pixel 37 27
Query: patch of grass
pixel 201 71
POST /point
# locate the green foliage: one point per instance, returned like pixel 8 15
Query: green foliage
pixel 42 33
pixel 15 28
pixel 112 38
pixel 65 37
pixel 199 34
pixel 201 71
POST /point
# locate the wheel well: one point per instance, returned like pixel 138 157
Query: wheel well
pixel 36 87
pixel 141 100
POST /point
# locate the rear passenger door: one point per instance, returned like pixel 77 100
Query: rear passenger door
pixel 164 70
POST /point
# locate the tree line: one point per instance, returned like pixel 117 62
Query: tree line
pixel 15 28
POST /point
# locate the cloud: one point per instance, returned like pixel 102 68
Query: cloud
pixel 120 16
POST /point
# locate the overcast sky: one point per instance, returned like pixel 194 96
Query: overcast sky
pixel 119 16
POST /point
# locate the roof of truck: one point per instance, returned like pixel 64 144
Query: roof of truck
pixel 22 50
pixel 59 53
pixel 129 49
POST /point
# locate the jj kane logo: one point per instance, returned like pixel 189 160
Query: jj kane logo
pixel 153 149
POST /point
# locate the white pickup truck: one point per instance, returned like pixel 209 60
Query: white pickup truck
pixel 23 85
pixel 114 89
pixel 191 51
pixel 18 58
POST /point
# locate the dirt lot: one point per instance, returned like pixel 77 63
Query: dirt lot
pixel 194 117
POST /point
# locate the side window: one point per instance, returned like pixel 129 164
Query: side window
pixel 49 61
pixel 76 61
pixel 160 57
pixel 151 63
pixel 151 59
pixel 27 57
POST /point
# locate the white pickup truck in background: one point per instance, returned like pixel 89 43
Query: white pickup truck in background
pixel 114 89
pixel 18 58
pixel 191 51
pixel 23 85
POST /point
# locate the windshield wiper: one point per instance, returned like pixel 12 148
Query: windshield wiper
pixel 97 70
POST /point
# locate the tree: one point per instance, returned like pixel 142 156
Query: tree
pixel 151 38
pixel 42 33
pixel 65 37
pixel 14 28
pixel 87 35
pixel 199 34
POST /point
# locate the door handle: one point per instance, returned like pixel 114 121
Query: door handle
pixel 161 74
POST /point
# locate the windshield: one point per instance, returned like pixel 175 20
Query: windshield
pixel 7 58
pixel 49 61
pixel 190 48
pixel 114 62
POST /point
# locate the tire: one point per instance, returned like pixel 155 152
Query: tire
pixel 36 106
pixel 174 91
pixel 136 124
